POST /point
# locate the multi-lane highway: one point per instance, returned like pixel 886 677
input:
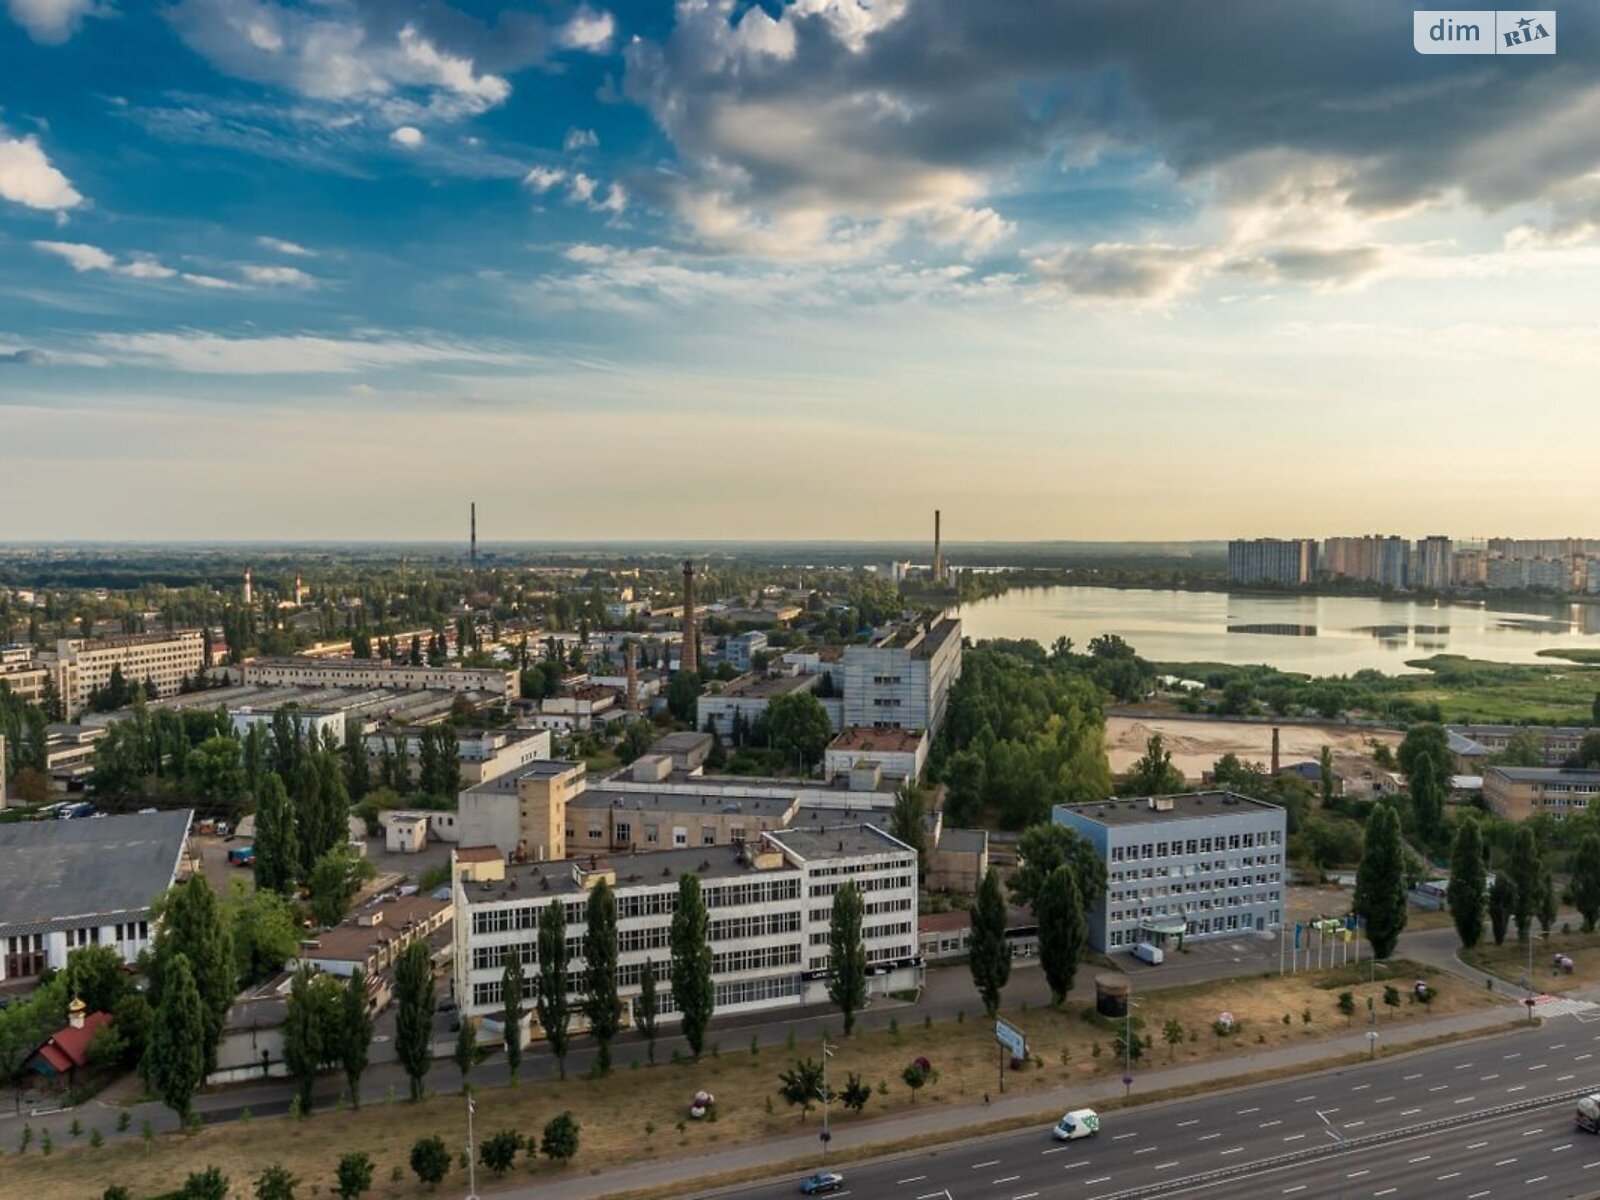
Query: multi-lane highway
pixel 1505 1104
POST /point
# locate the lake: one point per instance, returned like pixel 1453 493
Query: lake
pixel 1317 635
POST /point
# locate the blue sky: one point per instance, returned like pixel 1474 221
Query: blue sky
pixel 1091 268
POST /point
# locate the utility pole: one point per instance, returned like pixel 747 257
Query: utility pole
pixel 472 1161
pixel 825 1136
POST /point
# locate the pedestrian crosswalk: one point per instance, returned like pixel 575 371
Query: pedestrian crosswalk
pixel 1564 1006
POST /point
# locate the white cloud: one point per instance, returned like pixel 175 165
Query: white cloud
pixel 53 21
pixel 588 29
pixel 210 281
pixel 616 199
pixel 542 179
pixel 27 178
pixel 580 139
pixel 201 353
pixel 1121 270
pixel 283 247
pixel 407 137
pixel 144 266
pixel 581 190
pixel 974 230
pixel 278 276
pixel 80 256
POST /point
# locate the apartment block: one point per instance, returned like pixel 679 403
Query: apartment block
pixel 1472 744
pixel 903 679
pixel 82 666
pixel 369 673
pixel 1198 865
pixel 1517 793
pixel 1435 564
pixel 769 904
pixel 27 677
pixel 1286 562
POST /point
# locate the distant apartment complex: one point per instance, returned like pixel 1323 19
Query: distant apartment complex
pixel 1203 864
pixel 1288 563
pixel 78 667
pixel 1431 564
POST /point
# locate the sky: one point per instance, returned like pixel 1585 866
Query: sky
pixel 1078 269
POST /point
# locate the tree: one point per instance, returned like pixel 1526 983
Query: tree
pixel 1427 790
pixel 335 879
pixel 559 1141
pixel 1586 880
pixel 264 932
pixel 847 954
pixel 799 728
pixel 96 976
pixel 466 1051
pixel 1063 931
pixel 275 1183
pixel 682 694
pixel 1126 1047
pixel 1502 901
pixel 215 769
pixel 644 1008
pixel 1172 1032
pixel 551 995
pixel 915 1076
pixel 512 988
pixel 1524 748
pixel 355 1032
pixel 277 846
pixel 190 923
pixel 855 1094
pixel 801 1086
pixel 415 1000
pixel 1380 896
pixel 210 1184
pixel 431 1159
pixel 175 1059
pixel 1347 1005
pixel 1045 847
pixel 601 1004
pixel 907 822
pixel 357 770
pixel 354 1176
pixel 1547 901
pixel 313 1015
pixel 1467 892
pixel 499 1150
pixel 1154 774
pixel 1525 867
pixel 1325 776
pixel 988 955
pixel 691 963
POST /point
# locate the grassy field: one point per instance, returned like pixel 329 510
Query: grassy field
pixel 641 1112
pixel 1510 961
pixel 1500 693
pixel 1577 654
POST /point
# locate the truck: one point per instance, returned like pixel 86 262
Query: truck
pixel 241 856
pixel 1587 1117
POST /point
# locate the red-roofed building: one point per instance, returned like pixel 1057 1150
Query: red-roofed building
pixel 67 1050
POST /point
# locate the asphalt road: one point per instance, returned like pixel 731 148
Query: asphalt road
pixel 1172 1148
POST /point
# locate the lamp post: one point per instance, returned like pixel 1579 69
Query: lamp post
pixel 1127 1047
pixel 825 1137
pixel 472 1162
pixel 1338 1136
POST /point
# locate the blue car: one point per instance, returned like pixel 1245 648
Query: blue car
pixel 822 1181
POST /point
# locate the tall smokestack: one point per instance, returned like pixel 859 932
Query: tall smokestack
pixel 299 591
pixel 689 660
pixel 474 550
pixel 633 677
pixel 1274 750
pixel 938 554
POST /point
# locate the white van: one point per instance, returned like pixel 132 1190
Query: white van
pixel 1079 1123
pixel 1145 952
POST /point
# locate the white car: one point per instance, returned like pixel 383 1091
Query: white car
pixel 1079 1123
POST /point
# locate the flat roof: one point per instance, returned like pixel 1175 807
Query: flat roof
pixel 963 841
pixel 351 942
pixel 1468 729
pixel 1546 774
pixel 1188 806
pixel 942 631
pixel 680 742
pixel 58 873
pixel 836 841
pixel 476 854
pixel 540 768
pixel 707 802
pixel 765 687
pixel 884 741
pixel 651 868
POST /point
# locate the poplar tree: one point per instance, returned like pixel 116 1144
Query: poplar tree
pixel 644 1008
pixel 191 924
pixel 1586 880
pixel 1063 931
pixel 1467 892
pixel 988 956
pixel 355 1032
pixel 511 996
pixel 847 955
pixel 413 1026
pixel 174 1057
pixel 692 988
pixel 277 851
pixel 1380 896
pixel 551 1000
pixel 601 1004
pixel 1502 899
pixel 1525 870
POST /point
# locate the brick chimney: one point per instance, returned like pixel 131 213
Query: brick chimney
pixel 690 659
pixel 1274 750
pixel 633 676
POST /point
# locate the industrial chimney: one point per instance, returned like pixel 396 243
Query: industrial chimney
pixel 473 552
pixel 248 593
pixel 690 661
pixel 938 554
pixel 299 592
pixel 1274 751
pixel 633 677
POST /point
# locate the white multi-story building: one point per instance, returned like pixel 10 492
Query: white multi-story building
pixel 746 697
pixel 370 673
pixel 84 665
pixel 311 724
pixel 903 680
pixel 1288 562
pixel 1203 864
pixel 769 904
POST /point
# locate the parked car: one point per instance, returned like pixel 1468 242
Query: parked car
pixel 822 1181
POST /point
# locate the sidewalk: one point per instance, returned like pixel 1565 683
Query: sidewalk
pixel 955 1122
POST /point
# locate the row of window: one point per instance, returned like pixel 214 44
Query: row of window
pixel 1134 912
pixel 1187 870
pixel 875 883
pixel 640 904
pixel 1179 889
pixel 1234 841
pixel 731 928
pixel 759 959
pixel 878 954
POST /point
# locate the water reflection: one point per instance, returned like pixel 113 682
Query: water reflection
pixel 1276 630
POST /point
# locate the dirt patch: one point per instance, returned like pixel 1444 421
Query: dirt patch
pixel 1510 961
pixel 1196 745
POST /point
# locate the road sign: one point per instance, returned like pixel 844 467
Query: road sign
pixel 1012 1039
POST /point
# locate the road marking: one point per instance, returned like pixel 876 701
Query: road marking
pixel 1294 1137
pixel 1025 1196
pixel 1538 1066
pixel 1360 1086
pixel 1422 1158
pixel 993 1162
pixel 1358 1174
pixel 1235 1150
pixel 1055 1150
pixel 1007 1179
pixel 1303 1099
pixel 1477 1195
pixel 1477 1145
pixel 1329 1110
pixel 1165 1165
pixel 1464 1100
pixel 913 1179
pixel 1383 1099
pixel 1563 1146
pixel 1120 1136
pixel 1439 1088
pixel 1386 1192
pixel 1516 1054
pixel 1581 1057
pixel 1353 1124
pixel 1245 1112
pixel 1409 1078
pixel 1075 1165
pixel 1462 1066
pixel 1531 1132
pixel 1521 1087
pixel 1206 1137
pixel 1191 1121
pixel 1487 1078
pixel 1538 1179
pixel 1406 1112
pixel 1452 1175
pixel 1595 1163
pixel 1564 1078
pixel 1144 1149
pixel 1559 1046
pixel 1269 1124
pixel 1505 1162
pixel 1299 1187
pixel 1102 1179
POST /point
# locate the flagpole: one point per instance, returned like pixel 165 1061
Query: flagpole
pixel 472 1161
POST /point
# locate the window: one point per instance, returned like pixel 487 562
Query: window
pixel 708 835
pixel 624 832
pixel 652 834
pixel 680 836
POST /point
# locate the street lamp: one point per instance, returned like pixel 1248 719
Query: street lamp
pixel 1337 1135
pixel 825 1137
pixel 472 1164
pixel 1127 1048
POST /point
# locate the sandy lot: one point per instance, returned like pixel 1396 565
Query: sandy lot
pixel 1196 745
